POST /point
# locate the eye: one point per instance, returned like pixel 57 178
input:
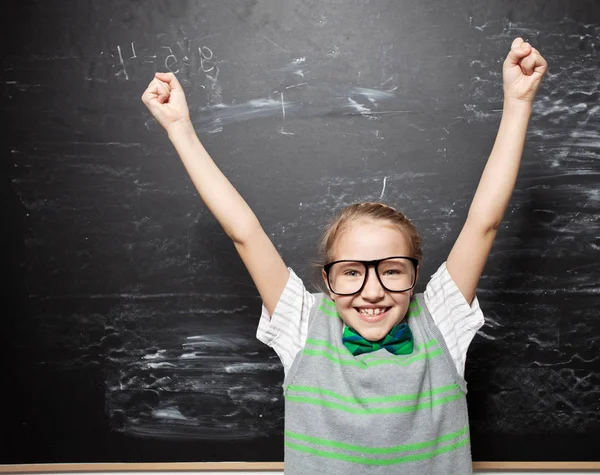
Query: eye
pixel 347 270
pixel 352 271
pixel 394 271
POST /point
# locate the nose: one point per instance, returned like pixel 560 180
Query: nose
pixel 372 289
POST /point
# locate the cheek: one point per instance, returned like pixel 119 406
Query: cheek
pixel 344 305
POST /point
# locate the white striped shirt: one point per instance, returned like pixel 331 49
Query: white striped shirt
pixel 458 321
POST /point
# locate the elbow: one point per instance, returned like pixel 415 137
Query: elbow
pixel 486 222
pixel 245 233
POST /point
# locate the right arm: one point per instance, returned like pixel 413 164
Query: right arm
pixel 165 99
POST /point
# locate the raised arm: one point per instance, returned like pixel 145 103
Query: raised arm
pixel 523 70
pixel 165 99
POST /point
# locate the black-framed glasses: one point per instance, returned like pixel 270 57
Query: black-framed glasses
pixel 395 274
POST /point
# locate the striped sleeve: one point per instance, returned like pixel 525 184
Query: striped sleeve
pixel 287 328
pixel 457 320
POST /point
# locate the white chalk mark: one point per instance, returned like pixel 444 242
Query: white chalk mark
pixel 134 296
pixel 485 335
pixel 372 94
pixel 122 63
pixel 172 57
pixel 101 144
pixel 296 85
pixel 359 107
pixel 292 67
pixel 283 121
pixel 202 58
pixel 161 365
pixel 209 36
pixel 271 41
pixel 390 112
pixel 383 189
pixel 387 80
pixel 168 413
pixel 207 49
pixel 158 354
pixel 564 229
pixel 22 87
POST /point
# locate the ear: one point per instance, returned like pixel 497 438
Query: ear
pixel 324 275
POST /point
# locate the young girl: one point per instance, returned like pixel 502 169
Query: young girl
pixel 373 372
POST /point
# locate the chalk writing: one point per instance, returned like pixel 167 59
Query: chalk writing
pixel 171 60
pixel 203 50
pixel 125 63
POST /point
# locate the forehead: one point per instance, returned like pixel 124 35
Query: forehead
pixel 368 240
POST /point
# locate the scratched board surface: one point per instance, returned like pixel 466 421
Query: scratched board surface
pixel 129 329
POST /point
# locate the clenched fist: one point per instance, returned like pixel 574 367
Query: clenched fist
pixel 165 99
pixel 523 71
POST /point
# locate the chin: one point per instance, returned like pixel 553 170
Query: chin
pixel 372 334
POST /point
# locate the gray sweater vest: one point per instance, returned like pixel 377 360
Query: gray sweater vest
pixel 375 413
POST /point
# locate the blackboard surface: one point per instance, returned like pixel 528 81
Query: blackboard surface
pixel 128 332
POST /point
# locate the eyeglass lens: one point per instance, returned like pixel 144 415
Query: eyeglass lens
pixel 396 274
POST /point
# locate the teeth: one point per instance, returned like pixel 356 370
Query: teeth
pixel 371 311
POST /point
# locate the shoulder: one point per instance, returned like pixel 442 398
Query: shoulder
pixel 285 331
pixel 457 320
pixel 442 295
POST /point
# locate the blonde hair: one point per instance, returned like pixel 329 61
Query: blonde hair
pixel 368 211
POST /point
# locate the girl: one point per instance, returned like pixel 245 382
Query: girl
pixel 374 373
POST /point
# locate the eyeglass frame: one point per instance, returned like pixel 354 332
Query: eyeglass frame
pixel 374 263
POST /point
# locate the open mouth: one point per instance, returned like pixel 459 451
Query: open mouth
pixel 373 315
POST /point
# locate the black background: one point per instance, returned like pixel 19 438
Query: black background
pixel 128 330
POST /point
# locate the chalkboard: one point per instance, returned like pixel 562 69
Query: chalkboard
pixel 128 332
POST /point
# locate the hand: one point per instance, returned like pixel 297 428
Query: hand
pixel 165 99
pixel 522 71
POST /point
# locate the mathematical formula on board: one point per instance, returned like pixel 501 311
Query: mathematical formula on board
pixel 130 62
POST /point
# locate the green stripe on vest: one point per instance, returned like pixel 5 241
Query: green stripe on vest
pixel 345 358
pixel 329 312
pixel 374 410
pixel 374 400
pixel 375 450
pixel 373 461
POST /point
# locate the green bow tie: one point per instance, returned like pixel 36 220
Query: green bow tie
pixel 399 341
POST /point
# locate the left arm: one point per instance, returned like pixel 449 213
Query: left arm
pixel 523 71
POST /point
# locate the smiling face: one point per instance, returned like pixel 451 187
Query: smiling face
pixel 373 311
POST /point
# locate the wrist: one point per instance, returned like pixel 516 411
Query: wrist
pixel 180 128
pixel 517 104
